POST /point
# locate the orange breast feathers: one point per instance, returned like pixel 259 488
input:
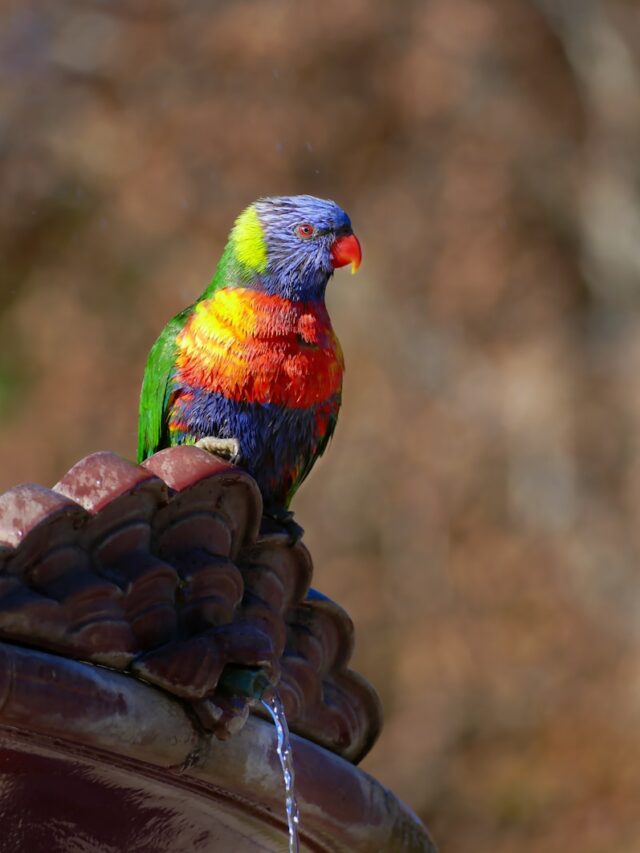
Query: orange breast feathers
pixel 260 348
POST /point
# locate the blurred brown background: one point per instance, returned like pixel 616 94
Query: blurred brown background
pixel 478 511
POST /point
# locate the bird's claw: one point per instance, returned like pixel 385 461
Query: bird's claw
pixel 226 448
pixel 284 518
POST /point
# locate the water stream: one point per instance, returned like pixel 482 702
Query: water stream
pixel 273 704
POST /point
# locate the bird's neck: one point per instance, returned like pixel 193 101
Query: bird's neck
pixel 297 288
pixel 242 313
pixel 289 283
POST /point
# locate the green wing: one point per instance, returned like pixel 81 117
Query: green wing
pixel 155 397
pixel 153 433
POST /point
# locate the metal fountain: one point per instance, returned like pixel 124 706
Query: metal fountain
pixel 151 621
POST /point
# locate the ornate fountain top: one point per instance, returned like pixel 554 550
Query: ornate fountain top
pixel 161 570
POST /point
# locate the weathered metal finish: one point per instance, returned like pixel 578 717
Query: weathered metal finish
pixel 164 573
pixel 162 570
pixel 93 760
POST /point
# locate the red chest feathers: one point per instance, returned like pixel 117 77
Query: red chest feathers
pixel 259 348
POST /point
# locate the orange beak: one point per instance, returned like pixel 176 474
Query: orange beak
pixel 346 250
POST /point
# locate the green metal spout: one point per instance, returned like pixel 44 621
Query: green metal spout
pixel 245 681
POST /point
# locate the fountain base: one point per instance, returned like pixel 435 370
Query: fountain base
pixel 94 756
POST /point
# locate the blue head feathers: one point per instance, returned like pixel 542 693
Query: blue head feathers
pixel 287 243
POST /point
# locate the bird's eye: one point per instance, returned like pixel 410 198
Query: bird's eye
pixel 305 231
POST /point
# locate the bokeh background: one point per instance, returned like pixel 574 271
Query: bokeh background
pixel 478 513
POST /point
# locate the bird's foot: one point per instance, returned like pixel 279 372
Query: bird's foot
pixel 226 448
pixel 284 518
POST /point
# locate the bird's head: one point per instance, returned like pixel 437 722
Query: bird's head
pixel 290 245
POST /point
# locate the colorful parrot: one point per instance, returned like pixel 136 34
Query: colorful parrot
pixel 253 370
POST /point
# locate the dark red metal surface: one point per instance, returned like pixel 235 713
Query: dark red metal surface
pixel 94 760
pixel 162 570
pixel 163 573
pixel 51 802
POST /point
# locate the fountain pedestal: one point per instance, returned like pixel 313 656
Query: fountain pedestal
pixel 162 576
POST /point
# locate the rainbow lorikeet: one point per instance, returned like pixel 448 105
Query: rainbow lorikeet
pixel 253 370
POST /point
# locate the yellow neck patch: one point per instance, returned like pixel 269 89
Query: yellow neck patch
pixel 248 241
